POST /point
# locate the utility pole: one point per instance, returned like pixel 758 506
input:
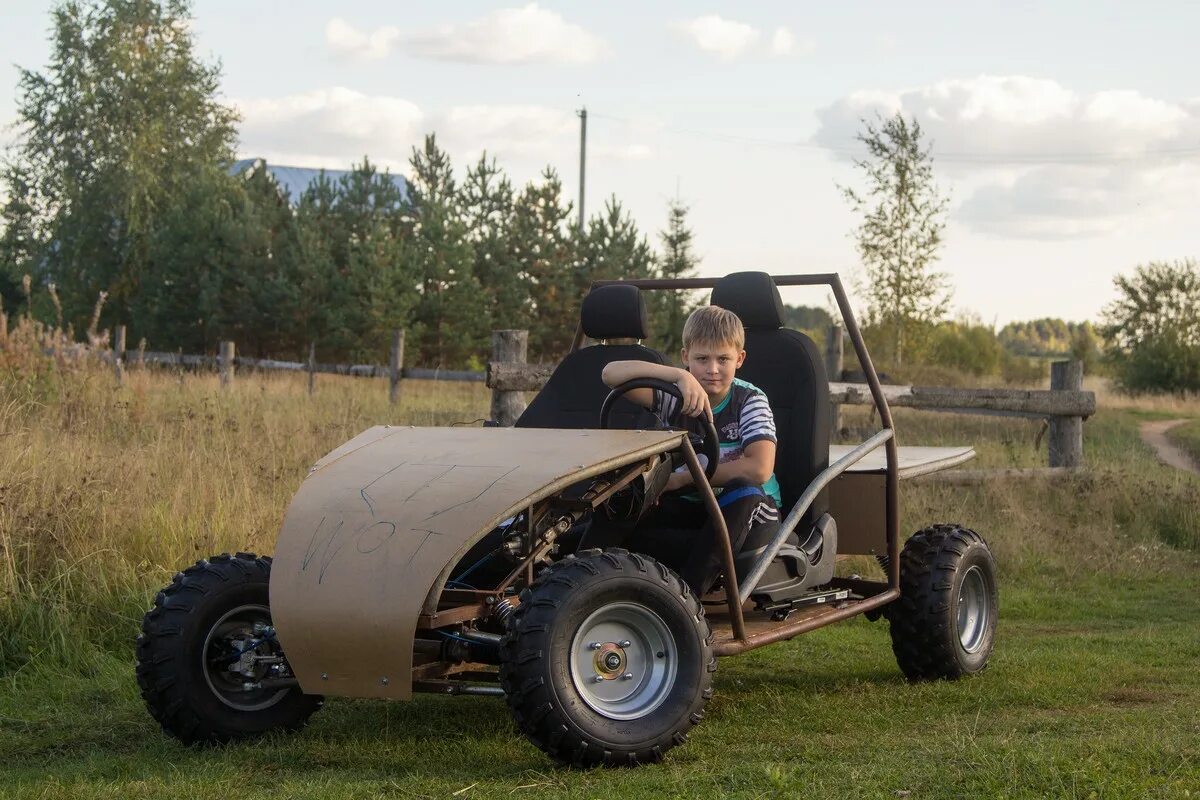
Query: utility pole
pixel 582 164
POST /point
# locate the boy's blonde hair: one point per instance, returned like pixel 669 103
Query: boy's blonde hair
pixel 713 325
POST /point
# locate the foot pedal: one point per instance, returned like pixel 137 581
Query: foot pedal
pixel 780 611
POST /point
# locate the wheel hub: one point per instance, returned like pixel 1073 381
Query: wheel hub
pixel 237 654
pixel 610 661
pixel 623 660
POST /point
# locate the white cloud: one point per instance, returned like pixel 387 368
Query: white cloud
pixel 783 41
pixel 1038 159
pixel 1060 202
pixel 337 126
pixel 506 130
pixel 526 35
pixel 347 41
pixel 729 39
pixel 1016 120
pixel 330 127
pixel 725 38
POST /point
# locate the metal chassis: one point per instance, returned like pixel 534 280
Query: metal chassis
pixel 447 679
pixel 875 594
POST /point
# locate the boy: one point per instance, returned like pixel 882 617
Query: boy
pixel 677 531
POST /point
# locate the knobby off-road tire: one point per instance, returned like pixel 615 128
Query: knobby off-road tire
pixel 944 624
pixel 207 606
pixel 608 660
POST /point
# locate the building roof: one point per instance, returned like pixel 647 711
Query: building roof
pixel 294 180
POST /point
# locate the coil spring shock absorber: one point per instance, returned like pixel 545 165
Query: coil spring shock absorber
pixel 503 611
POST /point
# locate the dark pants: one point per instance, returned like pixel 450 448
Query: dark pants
pixel 678 532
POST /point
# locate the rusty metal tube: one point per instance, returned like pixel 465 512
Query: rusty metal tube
pixel 834 282
pixel 892 489
pixel 801 507
pixel 733 647
pixel 721 532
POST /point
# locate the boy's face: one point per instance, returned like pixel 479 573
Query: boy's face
pixel 714 366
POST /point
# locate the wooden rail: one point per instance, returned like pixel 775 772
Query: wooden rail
pixel 1065 405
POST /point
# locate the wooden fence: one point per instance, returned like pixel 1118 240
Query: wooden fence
pixel 227 362
pixel 1064 406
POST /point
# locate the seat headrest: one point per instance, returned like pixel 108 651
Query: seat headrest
pixel 614 312
pixel 753 296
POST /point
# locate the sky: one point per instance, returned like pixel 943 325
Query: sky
pixel 1066 135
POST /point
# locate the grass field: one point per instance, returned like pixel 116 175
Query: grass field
pixel 1093 691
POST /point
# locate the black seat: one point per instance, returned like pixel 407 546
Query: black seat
pixel 573 395
pixel 788 367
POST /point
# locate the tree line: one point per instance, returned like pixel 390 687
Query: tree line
pixel 119 187
pixel 120 184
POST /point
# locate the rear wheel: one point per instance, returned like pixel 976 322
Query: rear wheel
pixel 944 624
pixel 608 660
pixel 209 665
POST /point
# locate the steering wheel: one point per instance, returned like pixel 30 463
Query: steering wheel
pixel 710 443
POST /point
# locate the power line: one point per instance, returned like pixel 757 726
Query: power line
pixel 964 157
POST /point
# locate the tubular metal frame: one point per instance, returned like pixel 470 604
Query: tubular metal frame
pixel 886 437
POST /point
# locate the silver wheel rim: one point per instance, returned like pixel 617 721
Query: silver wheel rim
pixel 226 685
pixel 623 661
pixel 974 610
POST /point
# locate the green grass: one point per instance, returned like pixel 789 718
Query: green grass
pixel 1093 690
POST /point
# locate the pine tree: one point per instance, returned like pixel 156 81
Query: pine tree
pixel 612 247
pixel 450 328
pixel 488 208
pixel 900 233
pixel 357 282
pixel 669 310
pixel 545 252
pixel 263 311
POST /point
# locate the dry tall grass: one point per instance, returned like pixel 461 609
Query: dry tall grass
pixel 106 490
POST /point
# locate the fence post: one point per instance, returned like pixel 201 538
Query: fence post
pixel 1066 433
pixel 119 355
pixel 395 366
pixel 508 346
pixel 226 364
pixel 3 327
pixel 312 367
pixel 834 364
pixel 141 356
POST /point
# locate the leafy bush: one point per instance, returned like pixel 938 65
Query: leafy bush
pixel 1153 328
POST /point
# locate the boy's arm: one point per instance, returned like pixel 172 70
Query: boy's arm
pixel 695 401
pixel 754 467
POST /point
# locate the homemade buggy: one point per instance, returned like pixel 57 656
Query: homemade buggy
pixel 457 560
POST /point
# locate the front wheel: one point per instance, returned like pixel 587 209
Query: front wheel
pixel 944 624
pixel 608 660
pixel 209 665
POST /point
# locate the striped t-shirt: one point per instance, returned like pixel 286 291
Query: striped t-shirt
pixel 742 418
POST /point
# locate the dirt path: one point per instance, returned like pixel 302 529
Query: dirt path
pixel 1155 435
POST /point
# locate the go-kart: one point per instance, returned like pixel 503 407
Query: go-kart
pixel 462 561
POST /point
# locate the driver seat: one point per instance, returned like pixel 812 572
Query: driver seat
pixel 573 395
pixel 788 367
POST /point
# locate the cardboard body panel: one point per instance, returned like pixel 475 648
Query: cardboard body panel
pixel 856 503
pixel 857 497
pixel 913 460
pixel 377 524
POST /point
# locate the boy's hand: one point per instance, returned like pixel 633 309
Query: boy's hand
pixel 677 481
pixel 695 399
